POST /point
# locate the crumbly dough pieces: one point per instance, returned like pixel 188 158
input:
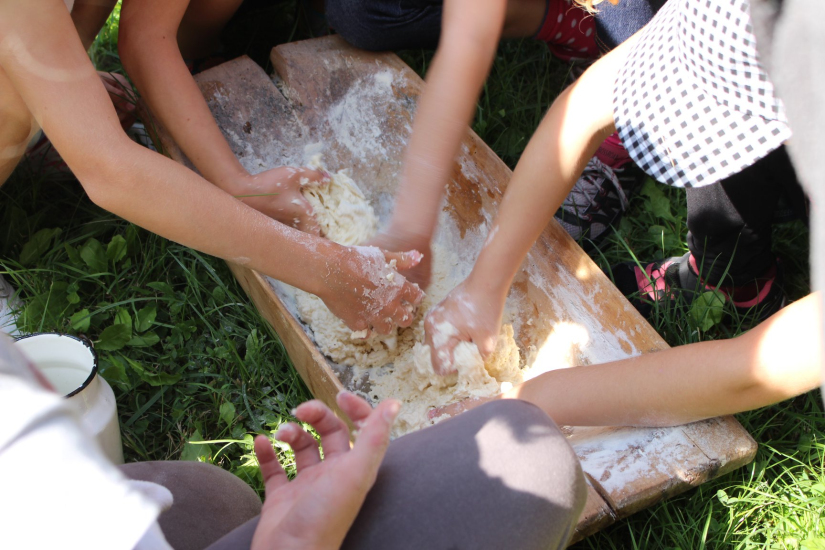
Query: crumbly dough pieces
pixel 398 366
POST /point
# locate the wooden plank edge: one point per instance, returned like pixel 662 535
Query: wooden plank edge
pixel 596 515
pixel 302 351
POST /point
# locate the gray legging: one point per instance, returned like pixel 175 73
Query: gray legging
pixel 498 476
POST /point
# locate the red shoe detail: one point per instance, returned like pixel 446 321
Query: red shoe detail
pixel 651 281
pixel 746 296
pixel 612 152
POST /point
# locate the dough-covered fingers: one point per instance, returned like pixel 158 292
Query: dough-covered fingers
pixel 412 294
pixel 384 325
pixel 303 445
pixel 404 314
pixel 307 221
pixel 404 260
pixel 333 431
pixel 309 177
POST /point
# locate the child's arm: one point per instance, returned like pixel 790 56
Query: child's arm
pixel 469 38
pixel 89 16
pixel 149 50
pixel 779 359
pixel 43 61
pixel 578 121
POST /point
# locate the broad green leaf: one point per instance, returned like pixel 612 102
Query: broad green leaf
pixel 132 240
pixel 46 311
pixel 74 255
pixel 665 238
pixel 114 337
pixel 707 309
pixel 114 371
pixel 116 250
pixel 227 412
pixel 194 451
pixel 145 318
pixel 38 245
pixel 144 340
pixel 657 203
pixel 81 320
pixel 94 256
pixel 152 378
pixel 122 317
pixel 219 294
pixel 253 346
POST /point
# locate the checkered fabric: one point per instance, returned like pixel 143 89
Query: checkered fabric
pixel 692 103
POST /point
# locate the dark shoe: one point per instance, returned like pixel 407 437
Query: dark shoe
pixel 675 283
pixel 595 203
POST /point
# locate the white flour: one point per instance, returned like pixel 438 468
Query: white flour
pixel 399 366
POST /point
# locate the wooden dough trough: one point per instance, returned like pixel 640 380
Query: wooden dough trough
pixel 358 106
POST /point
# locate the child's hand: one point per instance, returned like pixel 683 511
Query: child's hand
pixel 454 409
pixel 395 241
pixel 367 293
pixel 468 314
pixel 277 193
pixel 317 508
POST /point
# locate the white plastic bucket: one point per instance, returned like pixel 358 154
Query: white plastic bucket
pixel 70 365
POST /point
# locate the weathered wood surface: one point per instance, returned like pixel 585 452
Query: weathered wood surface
pixel 359 106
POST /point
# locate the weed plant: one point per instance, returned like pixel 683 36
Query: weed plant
pixel 197 371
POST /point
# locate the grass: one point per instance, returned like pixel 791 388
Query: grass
pixel 197 371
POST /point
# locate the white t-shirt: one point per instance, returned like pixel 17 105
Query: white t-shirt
pixel 58 488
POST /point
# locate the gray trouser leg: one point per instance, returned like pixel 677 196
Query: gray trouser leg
pixel 209 502
pixel 499 476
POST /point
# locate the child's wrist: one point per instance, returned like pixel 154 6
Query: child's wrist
pixel 327 255
pixel 417 235
pixel 482 283
pixel 236 181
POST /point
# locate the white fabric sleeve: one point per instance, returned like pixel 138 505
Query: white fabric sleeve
pixel 801 81
pixel 58 489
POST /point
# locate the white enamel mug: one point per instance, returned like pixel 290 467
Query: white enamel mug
pixel 70 365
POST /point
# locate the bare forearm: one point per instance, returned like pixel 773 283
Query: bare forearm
pixel 71 105
pixel 446 108
pixel 89 16
pixel 577 122
pixel 471 31
pixel 150 55
pixel 170 200
pixel 779 359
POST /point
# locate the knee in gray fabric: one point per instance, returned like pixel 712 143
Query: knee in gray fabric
pixel 498 476
pixel 209 502
pixel 527 422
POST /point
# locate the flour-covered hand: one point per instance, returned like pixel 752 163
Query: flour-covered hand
pixel 317 508
pixel 468 314
pixel 398 241
pixel 277 193
pixel 365 289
